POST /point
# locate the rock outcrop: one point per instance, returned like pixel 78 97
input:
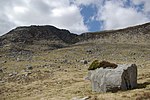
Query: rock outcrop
pixel 124 77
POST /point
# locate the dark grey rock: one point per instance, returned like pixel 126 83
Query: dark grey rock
pixel 89 51
pixel 29 67
pixel 64 61
pixel 84 61
pixel 1 70
pixel 124 77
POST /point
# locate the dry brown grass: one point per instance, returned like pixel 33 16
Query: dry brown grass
pixel 59 75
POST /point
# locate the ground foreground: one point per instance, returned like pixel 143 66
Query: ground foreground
pixel 59 74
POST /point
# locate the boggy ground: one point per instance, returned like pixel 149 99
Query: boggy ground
pixel 59 74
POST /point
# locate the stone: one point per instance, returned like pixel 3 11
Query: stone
pixel 13 74
pixel 124 77
pixel 2 81
pixel 18 59
pixel 10 74
pixel 64 61
pixel 1 70
pixel 29 67
pixel 85 98
pixel 4 61
pixel 89 51
pixel 27 74
pixel 84 61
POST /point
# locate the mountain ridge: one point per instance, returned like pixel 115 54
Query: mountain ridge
pixel 134 30
pixel 50 37
pixel 38 33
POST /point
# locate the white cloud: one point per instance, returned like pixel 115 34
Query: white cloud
pixel 66 13
pixel 115 15
pixel 85 2
pixel 146 4
pixel 60 13
pixel 5 24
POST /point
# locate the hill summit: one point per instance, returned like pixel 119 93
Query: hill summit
pixel 46 36
pixel 49 37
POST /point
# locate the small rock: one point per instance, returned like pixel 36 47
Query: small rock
pixel 2 81
pixel 47 71
pixel 18 78
pixel 4 61
pixel 65 70
pixel 1 70
pixel 18 59
pixel 64 61
pixel 89 51
pixel 27 74
pixel 13 74
pixel 84 61
pixel 85 98
pixel 29 67
pixel 10 74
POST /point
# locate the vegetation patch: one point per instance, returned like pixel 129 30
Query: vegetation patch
pixel 103 64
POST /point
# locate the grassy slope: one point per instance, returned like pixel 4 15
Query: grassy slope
pixel 59 74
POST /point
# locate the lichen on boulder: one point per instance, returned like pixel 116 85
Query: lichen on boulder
pixel 94 65
pixel 103 64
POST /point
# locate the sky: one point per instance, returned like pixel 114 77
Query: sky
pixel 77 16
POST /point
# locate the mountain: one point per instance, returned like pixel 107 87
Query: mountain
pixel 49 37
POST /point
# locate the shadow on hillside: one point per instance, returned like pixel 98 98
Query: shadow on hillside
pixel 143 85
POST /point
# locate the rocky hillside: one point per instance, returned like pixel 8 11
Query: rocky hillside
pixel 135 34
pixel 49 37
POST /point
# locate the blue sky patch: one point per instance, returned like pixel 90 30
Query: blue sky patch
pixel 89 13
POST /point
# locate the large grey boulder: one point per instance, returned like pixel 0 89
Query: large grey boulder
pixel 124 77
